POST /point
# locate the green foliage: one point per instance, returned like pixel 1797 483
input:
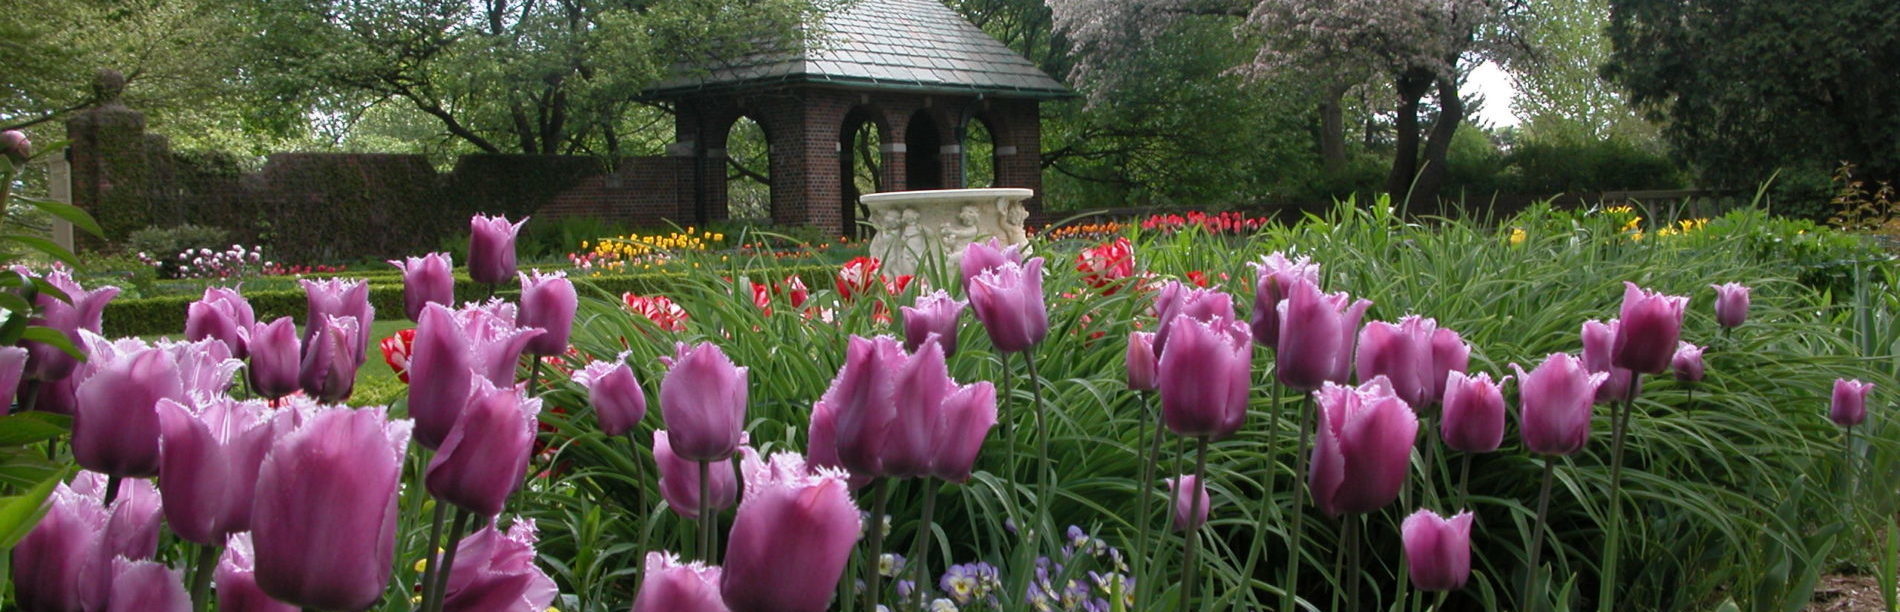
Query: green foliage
pixel 1553 166
pixel 168 242
pixel 552 239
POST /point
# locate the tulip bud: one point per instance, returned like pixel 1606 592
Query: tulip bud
pixel 618 401
pixel 1316 336
pixel 1437 550
pixel 330 360
pixel 679 480
pixel 209 455
pixel 1473 412
pixel 452 347
pixel 1142 365
pixel 1554 403
pixel 547 302
pixel 429 279
pixel 1449 354
pixel 1205 377
pixel 935 313
pixel 485 456
pixel 1598 339
pixel 336 297
pixel 219 315
pixel 495 571
pixel 1364 450
pixel 116 429
pixel 325 516
pixel 790 539
pixel 147 586
pixel 1687 363
pixel 275 354
pixel 1651 326
pixel 703 401
pixel 1186 490
pixel 1731 304
pixel 84 311
pixel 237 581
pixel 1177 300
pixel 1008 301
pixel 15 145
pixel 12 371
pixel 491 248
pixel 980 257
pixel 1849 406
pixel 1401 353
pixel 1274 276
pixel 671 586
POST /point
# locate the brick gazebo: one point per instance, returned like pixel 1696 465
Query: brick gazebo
pixel 914 69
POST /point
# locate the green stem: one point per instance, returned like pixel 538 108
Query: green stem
pixel 435 540
pixel 1045 477
pixel 1464 481
pixel 1532 597
pixel 1144 497
pixel 201 577
pixel 1291 585
pixel 1006 418
pixel 1354 569
pixel 112 489
pixel 705 513
pixel 920 557
pixel 534 375
pixel 874 578
pixel 1188 562
pixel 1606 590
pixel 457 527
pixel 31 397
pixel 639 473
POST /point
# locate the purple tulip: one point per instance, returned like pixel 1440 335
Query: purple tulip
pixel 453 347
pixel 1206 378
pixel 495 572
pixel 16 147
pixel 210 451
pixel 1474 412
pixel 57 397
pixel 888 413
pixel 679 480
pixel 325 517
pixel 45 362
pixel 1008 301
pixel 237 580
pixel 116 428
pixel 1365 443
pixel 1401 353
pixel 790 539
pixel 1731 304
pixel 64 563
pixel 703 401
pixel 330 360
pixel 980 257
pixel 1143 367
pixel 1189 488
pixel 618 401
pixel 919 384
pixel 276 353
pixel 1274 276
pixel 221 314
pixel 1598 338
pixel 547 302
pixel 491 248
pixel 205 367
pixel 1316 336
pixel 335 297
pixel 485 456
pixel 1687 363
pixel 968 415
pixel 935 313
pixel 858 405
pixel 672 586
pixel 429 279
pixel 1651 326
pixel 1176 300
pixel 147 586
pixel 12 371
pixel 1849 406
pixel 1449 354
pixel 1554 403
pixel 1437 550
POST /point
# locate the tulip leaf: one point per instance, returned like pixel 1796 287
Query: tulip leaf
pixel 30 427
pixel 24 466
pixel 73 214
pixel 50 248
pixel 54 338
pixel 19 513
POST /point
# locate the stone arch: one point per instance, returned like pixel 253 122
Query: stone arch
pixel 976 143
pixel 864 142
pixel 747 149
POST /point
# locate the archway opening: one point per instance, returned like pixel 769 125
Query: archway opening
pixel 861 165
pixel 923 164
pixel 748 172
pixel 979 154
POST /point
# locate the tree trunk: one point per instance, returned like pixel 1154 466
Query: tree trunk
pixel 1412 86
pixel 1332 129
pixel 1451 113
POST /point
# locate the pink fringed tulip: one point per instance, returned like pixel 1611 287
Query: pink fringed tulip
pixel 618 401
pixel 1687 363
pixel 485 456
pixel 147 586
pixel 1316 336
pixel 276 355
pixel 116 429
pixel 1474 412
pixel 1274 276
pixel 1205 377
pixel 968 415
pixel 703 401
pixel 547 302
pixel 1731 304
pixel 237 581
pixel 64 563
pixel 919 384
pixel 12 371
pixel 85 311
pixel 1437 550
pixel 1143 367
pixel 790 539
pixel 1449 354
pixel 983 256
pixel 1651 326
pixel 1186 489
pixel 1365 447
pixel 429 279
pixel 1554 404
pixel 1401 353
pixel 491 248
pixel 1598 339
pixel 1008 301
pixel 221 315
pixel 495 572
pixel 335 297
pixel 325 518
pixel 330 360
pixel 679 480
pixel 209 455
pixel 858 404
pixel 901 415
pixel 935 313
pixel 57 397
pixel 1849 406
pixel 1176 300
pixel 453 347
pixel 672 586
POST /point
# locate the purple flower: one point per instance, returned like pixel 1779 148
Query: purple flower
pixel 12 371
pixel 221 314
pixel 1189 495
pixel 1449 354
pixel 1401 353
pixel 547 302
pixel 1598 338
pixel 429 279
pixel 495 572
pixel 1437 550
pixel 116 429
pixel 1008 301
pixel 237 580
pixel 1206 378
pixel 1316 336
pixel 980 257
pixel 672 586
pixel 65 562
pixel 209 456
pixel 147 586
pixel 618 401
pixel 452 348
pixel 703 401
pixel 1651 326
pixel 16 147
pixel 934 313
pixel 1849 406
pixel 1554 403
pixel 1687 363
pixel 1143 368
pixel 325 518
pixel 330 360
pixel 790 539
pixel 491 248
pixel 45 362
pixel 1176 300
pixel 1731 304
pixel 1274 276
pixel 1364 450
pixel 485 456
pixel 893 414
pixel 336 297
pixel 276 354
pixel 679 480
pixel 1473 412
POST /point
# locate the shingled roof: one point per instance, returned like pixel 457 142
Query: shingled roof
pixel 911 45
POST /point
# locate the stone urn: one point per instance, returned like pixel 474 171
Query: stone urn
pixel 914 227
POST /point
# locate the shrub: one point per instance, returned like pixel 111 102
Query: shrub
pixel 164 242
pixel 1552 167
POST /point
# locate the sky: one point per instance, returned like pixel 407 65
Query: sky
pixel 1490 82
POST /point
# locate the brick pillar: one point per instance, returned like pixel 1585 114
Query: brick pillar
pixel 1019 148
pixel 117 169
pixel 702 141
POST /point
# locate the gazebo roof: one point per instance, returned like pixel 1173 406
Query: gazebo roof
pixel 908 45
